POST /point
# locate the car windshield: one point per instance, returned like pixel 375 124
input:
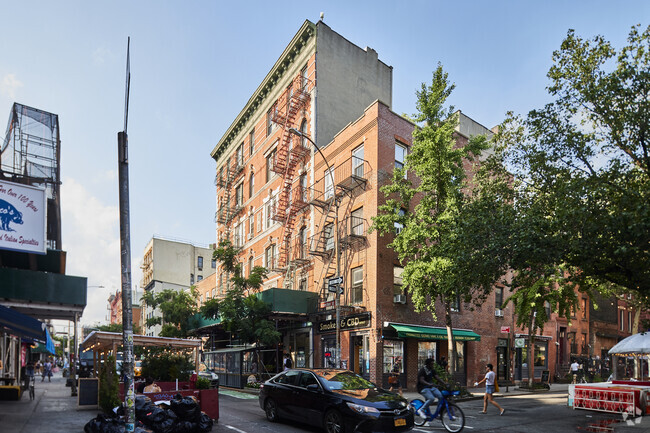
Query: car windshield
pixel 345 380
pixel 138 363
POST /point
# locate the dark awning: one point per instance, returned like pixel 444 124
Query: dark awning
pixel 25 326
pixel 433 333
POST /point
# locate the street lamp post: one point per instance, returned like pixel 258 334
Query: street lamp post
pixel 337 244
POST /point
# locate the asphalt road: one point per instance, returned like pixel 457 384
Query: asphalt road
pixel 544 413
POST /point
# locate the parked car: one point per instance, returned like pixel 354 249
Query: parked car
pixel 334 399
pixel 209 374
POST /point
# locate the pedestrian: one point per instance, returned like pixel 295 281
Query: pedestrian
pixel 490 380
pixel 288 363
pixel 37 367
pixel 574 370
pixel 47 371
pixel 151 386
pixel 393 379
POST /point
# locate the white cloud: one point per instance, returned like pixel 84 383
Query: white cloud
pixel 101 54
pixel 9 85
pixel 91 237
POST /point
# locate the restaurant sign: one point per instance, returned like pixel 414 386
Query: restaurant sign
pixel 349 322
pixel 22 218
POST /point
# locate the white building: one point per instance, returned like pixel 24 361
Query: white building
pixel 172 264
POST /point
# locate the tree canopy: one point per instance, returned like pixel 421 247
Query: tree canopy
pixel 177 308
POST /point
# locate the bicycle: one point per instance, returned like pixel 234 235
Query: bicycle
pixel 451 416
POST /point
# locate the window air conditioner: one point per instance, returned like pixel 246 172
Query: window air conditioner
pixel 399 299
pixel 498 312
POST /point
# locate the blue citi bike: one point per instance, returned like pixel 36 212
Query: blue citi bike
pixel 452 416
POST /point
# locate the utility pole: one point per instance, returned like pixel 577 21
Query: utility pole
pixel 125 245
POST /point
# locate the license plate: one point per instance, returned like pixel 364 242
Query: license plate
pixel 400 421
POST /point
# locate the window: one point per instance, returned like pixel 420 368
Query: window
pixel 400 156
pixel 393 351
pixel 621 316
pixel 356 292
pixel 251 226
pixel 399 226
pixel 213 264
pixel 302 239
pixel 303 131
pixel 397 280
pixel 328 233
pixel 270 158
pixel 547 309
pixel 629 321
pixel 250 265
pixel 329 186
pixel 269 256
pixel 303 78
pixel 199 277
pixel 214 291
pixel 498 297
pixel 239 195
pixel 270 210
pixel 585 307
pixel 356 222
pixel 240 155
pixel 251 184
pixel 239 235
pixel 191 279
pixel 302 285
pixel 357 161
pixel 455 303
pixel 199 263
pixel 269 122
pixel 251 142
pixel 540 354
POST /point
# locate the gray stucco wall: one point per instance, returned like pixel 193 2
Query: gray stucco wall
pixel 349 80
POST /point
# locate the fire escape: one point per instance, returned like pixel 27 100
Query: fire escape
pixel 289 154
pixel 226 179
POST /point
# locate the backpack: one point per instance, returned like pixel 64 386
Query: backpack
pixel 288 363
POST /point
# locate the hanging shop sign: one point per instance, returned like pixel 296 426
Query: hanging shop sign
pixel 22 218
pixel 349 322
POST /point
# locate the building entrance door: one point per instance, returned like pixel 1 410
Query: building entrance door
pixel 503 368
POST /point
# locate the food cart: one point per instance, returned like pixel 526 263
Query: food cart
pixel 627 397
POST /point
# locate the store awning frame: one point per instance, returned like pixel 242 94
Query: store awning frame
pixel 432 332
pixel 25 326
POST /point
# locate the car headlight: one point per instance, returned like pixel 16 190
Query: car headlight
pixel 363 410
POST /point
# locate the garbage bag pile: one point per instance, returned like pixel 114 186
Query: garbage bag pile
pixel 183 415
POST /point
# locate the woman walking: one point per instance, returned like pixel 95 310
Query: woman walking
pixel 489 380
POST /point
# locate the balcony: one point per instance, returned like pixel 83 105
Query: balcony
pixel 355 231
pixel 226 213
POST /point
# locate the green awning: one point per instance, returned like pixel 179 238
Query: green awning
pixel 431 333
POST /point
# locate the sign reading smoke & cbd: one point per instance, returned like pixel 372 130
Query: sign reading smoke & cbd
pixel 22 218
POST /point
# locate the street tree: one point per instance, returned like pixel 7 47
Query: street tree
pixel 242 313
pixel 431 244
pixel 586 156
pixel 177 308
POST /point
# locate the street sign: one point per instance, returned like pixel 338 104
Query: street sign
pixel 505 329
pixel 333 289
pixel 335 281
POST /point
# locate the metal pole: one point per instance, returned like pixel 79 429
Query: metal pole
pixel 125 244
pixel 336 246
pixel 73 367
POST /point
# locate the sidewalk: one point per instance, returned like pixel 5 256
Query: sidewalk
pixel 511 391
pixel 53 410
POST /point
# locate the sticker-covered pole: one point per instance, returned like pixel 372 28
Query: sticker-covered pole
pixel 125 257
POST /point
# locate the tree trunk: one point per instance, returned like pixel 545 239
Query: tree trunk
pixel 637 318
pixel 451 346
pixel 532 331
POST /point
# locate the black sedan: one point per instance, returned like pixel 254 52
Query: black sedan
pixel 337 400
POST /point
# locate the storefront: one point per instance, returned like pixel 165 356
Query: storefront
pixel 540 358
pixel 355 331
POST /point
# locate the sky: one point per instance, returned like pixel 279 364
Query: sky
pixel 195 64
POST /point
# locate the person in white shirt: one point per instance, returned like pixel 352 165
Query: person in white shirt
pixel 574 370
pixel 489 389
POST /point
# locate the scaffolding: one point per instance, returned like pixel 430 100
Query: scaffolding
pixel 30 155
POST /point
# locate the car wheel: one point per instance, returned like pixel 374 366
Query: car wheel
pixel 334 422
pixel 271 410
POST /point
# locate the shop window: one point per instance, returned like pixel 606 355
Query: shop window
pixel 540 354
pixel 426 349
pixel 393 350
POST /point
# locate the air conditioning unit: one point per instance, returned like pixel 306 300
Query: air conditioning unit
pixel 399 299
pixel 498 312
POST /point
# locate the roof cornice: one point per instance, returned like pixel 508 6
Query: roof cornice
pixel 299 41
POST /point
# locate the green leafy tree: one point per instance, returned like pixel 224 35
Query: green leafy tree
pixel 108 386
pixel 177 308
pixel 586 156
pixel 241 311
pixel 439 263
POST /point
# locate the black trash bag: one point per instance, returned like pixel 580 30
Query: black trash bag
pixel 165 426
pixel 186 408
pixel 93 426
pixel 154 416
pixel 205 423
pixel 143 406
pixel 185 427
pixel 142 430
pixel 104 424
pixel 113 425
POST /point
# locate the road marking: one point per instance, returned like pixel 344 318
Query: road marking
pixel 237 394
pixel 235 428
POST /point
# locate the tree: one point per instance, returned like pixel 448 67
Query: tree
pixel 241 311
pixel 177 308
pixel 586 156
pixel 439 263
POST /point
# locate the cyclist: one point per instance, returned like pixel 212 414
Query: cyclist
pixel 426 386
